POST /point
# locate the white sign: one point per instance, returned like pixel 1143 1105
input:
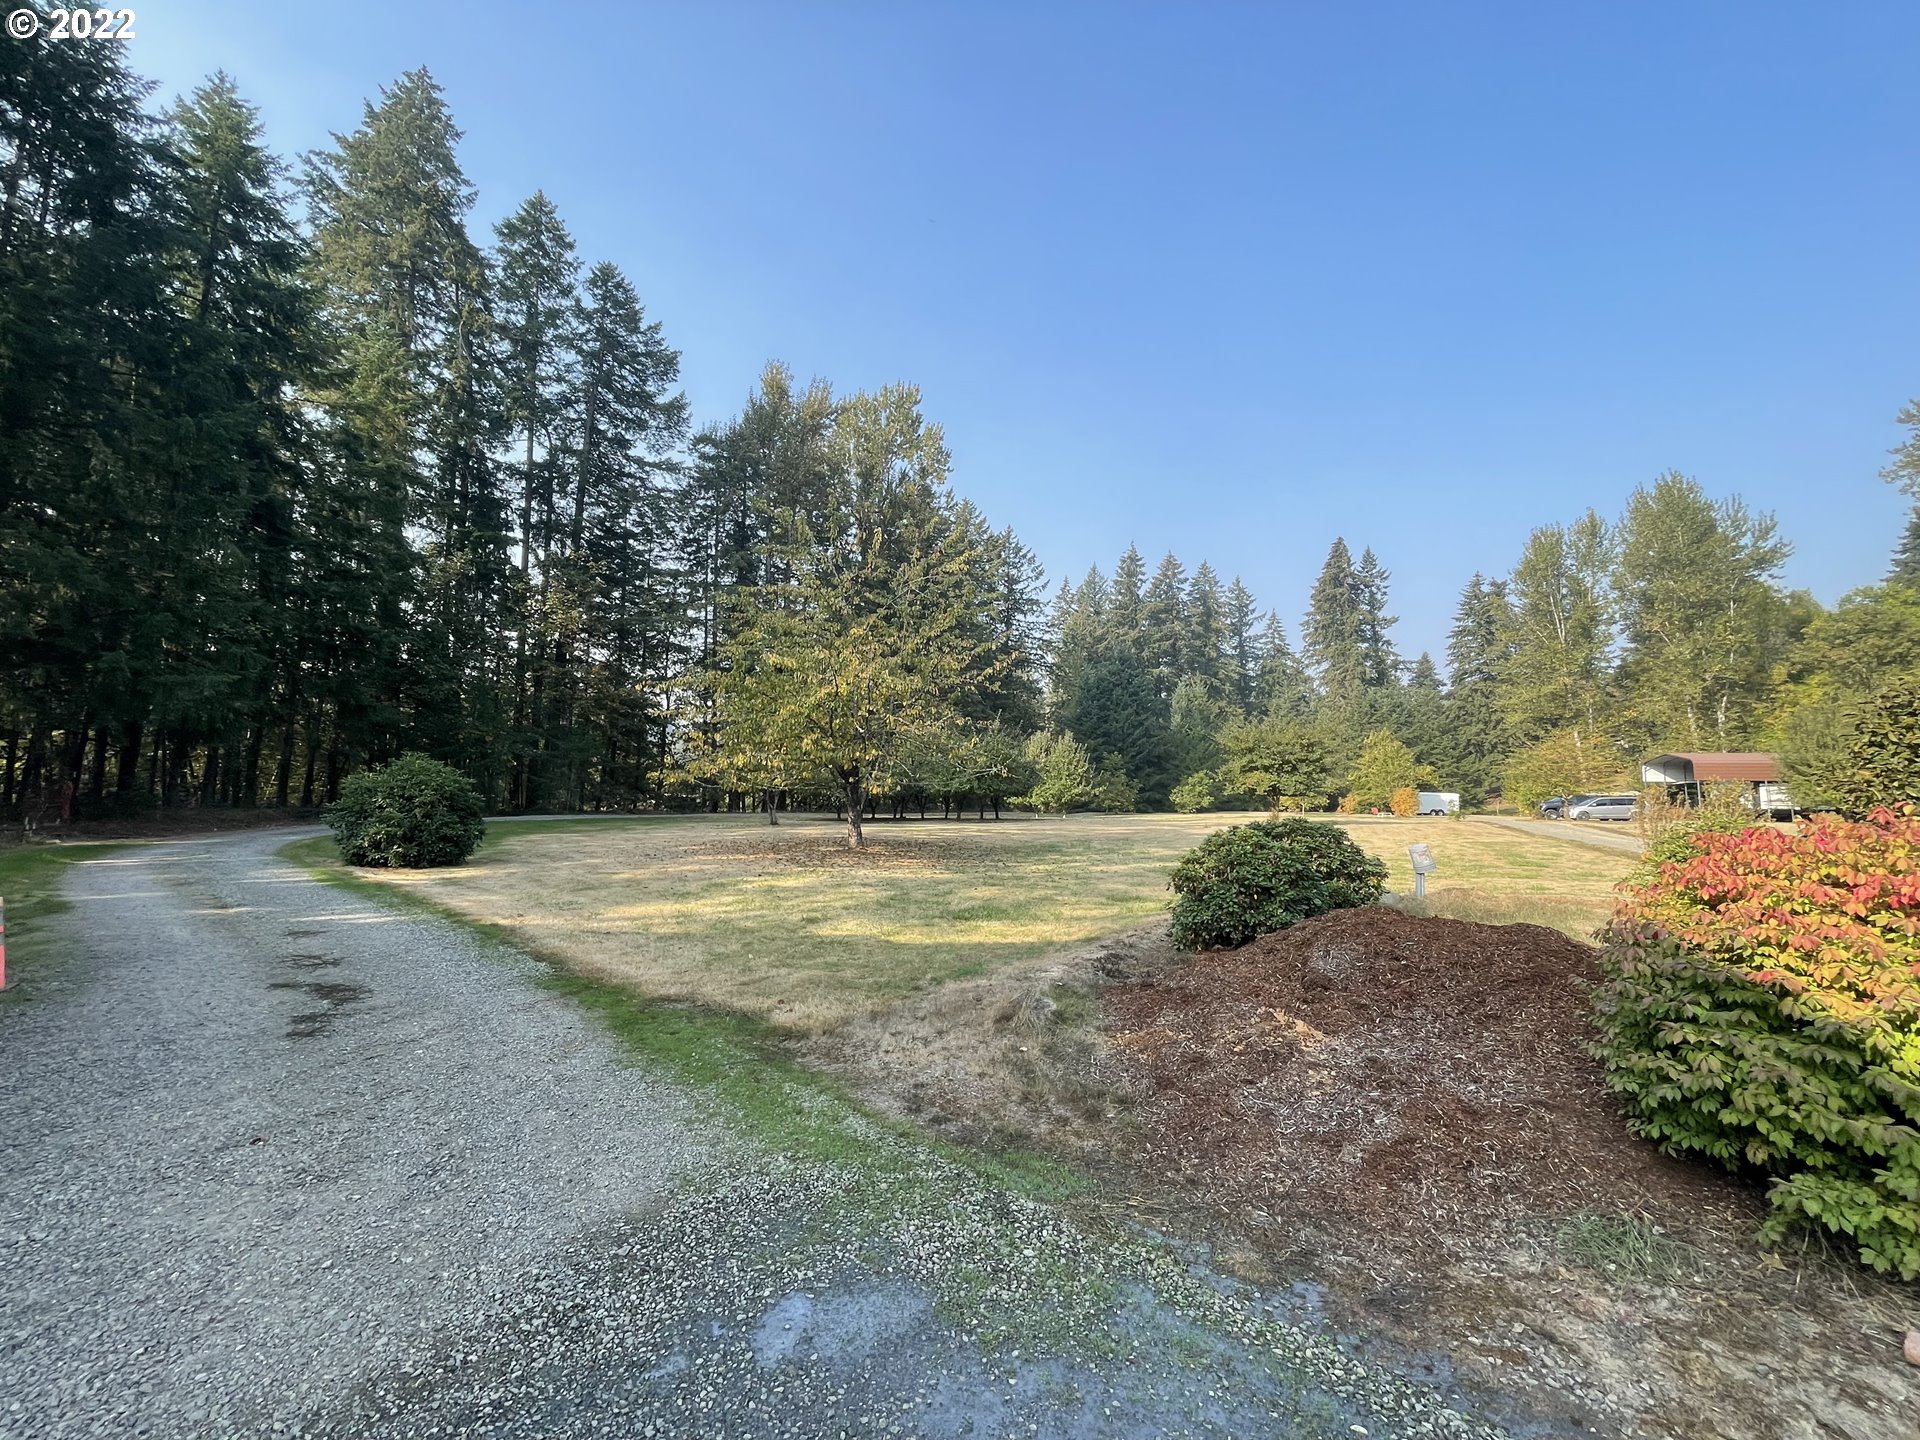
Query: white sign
pixel 1423 861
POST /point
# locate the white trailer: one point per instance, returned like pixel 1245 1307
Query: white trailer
pixel 1439 802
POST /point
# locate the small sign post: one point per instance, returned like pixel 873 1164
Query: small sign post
pixel 1423 866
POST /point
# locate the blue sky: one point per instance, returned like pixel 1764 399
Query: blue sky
pixel 1227 280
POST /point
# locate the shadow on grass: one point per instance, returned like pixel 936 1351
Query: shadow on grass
pixel 31 877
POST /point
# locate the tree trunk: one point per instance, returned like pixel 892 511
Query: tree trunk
pixel 856 802
pixel 313 756
pixel 283 771
pixel 97 781
pixel 30 798
pixel 129 763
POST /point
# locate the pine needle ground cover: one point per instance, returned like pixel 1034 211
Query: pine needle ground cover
pixel 784 924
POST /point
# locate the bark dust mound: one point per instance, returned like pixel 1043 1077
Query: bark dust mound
pixel 1423 1077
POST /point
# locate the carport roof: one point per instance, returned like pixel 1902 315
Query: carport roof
pixel 1727 764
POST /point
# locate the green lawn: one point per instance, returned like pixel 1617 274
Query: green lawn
pixel 30 877
pixel 783 924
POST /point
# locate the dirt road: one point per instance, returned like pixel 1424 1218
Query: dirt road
pixel 276 1160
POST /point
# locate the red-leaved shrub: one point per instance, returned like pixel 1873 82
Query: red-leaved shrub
pixel 1762 1006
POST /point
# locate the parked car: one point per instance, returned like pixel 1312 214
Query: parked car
pixel 1604 807
pixel 1557 807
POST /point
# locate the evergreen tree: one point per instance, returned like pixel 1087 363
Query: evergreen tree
pixel 1196 716
pixel 1380 664
pixel 539 327
pixel 1077 625
pixel 236 261
pixel 1424 716
pixel 89 344
pixel 1164 625
pixel 1126 614
pixel 619 568
pixel 540 332
pixel 1243 645
pixel 1336 637
pixel 1204 644
pixel 405 288
pixel 1475 739
pixel 1906 555
pixel 1116 710
pixel 1281 684
pixel 1017 643
pixel 1904 471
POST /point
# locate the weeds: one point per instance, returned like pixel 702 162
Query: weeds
pixel 1624 1246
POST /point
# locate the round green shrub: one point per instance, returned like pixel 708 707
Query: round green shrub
pixel 410 815
pixel 1252 879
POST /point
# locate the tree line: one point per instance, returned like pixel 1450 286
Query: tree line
pixel 298 474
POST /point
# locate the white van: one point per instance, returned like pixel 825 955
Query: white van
pixel 1604 807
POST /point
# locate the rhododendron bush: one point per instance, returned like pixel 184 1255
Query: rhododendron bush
pixel 1762 1006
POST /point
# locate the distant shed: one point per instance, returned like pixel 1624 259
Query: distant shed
pixel 1684 775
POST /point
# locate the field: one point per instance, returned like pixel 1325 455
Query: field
pixel 783 924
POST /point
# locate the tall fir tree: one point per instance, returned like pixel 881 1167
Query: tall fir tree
pixel 89 438
pixel 1163 628
pixel 1423 720
pixel 1242 658
pixel 1205 641
pixel 1335 638
pixel 406 289
pixel 1476 741
pixel 1380 662
pixel 237 263
pixel 1126 598
pixel 1117 710
pixel 1281 684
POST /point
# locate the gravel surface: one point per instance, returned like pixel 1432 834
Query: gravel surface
pixel 277 1160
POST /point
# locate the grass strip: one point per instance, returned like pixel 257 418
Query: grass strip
pixel 31 877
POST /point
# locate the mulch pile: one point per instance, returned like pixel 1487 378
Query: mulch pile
pixel 1418 1077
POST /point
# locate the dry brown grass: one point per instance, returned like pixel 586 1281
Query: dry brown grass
pixel 784 924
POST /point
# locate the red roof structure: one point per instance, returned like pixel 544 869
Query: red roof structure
pixel 1701 766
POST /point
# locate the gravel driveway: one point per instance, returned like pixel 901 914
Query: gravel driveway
pixel 274 1159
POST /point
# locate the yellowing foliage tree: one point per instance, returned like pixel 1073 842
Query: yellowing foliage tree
pixel 1385 765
